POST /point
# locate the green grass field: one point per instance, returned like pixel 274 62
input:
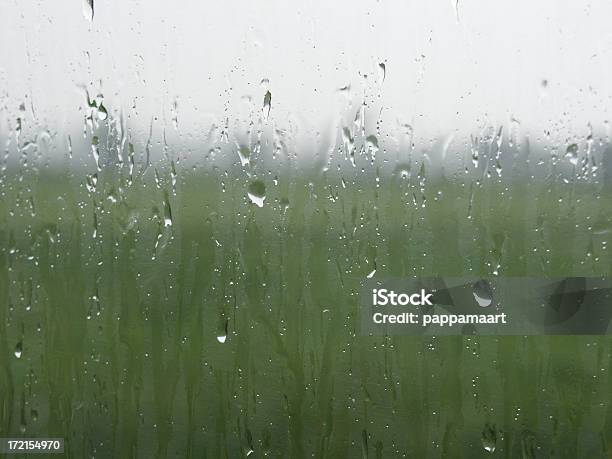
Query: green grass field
pixel 158 320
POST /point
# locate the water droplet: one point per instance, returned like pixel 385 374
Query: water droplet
pixel 284 202
pixel 102 113
pixel 222 333
pixel 267 104
pixel 95 152
pixel 94 235
pixel 372 141
pixel 489 438
pixel 382 72
pixel 474 151
pixel 257 192
pixel 403 171
pixel 349 144
pixel 482 293
pixel 173 176
pixel 18 349
pixel 167 211
pixel 244 153
pixel 249 450
pixel 572 153
pixel 88 9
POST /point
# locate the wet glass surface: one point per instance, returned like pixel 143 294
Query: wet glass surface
pixel 191 202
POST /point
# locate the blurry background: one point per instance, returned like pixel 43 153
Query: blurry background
pixel 193 193
pixel 450 66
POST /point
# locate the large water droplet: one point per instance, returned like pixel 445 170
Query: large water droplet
pixel 572 153
pixel 489 438
pixel 167 211
pixel 18 349
pixel 267 105
pixel 372 146
pixel 348 141
pixel 372 141
pixel 257 192
pixel 222 331
pixel 102 112
pixel 244 153
pixel 482 293
pixel 88 9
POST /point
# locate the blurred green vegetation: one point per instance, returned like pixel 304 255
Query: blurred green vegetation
pixel 197 324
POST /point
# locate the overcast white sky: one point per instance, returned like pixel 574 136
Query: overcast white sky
pixel 447 68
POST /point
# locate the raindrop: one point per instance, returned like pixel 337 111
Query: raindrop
pixel 382 72
pixel 173 176
pixel 69 143
pixel 456 4
pixel 102 113
pixel 131 163
pixel 222 332
pixel 349 144
pixel 284 202
pixel 482 293
pixel 95 152
pixel 244 153
pixel 257 192
pixel 18 349
pixel 489 438
pixel 422 180
pixel 249 450
pixel 572 153
pixel 372 145
pixel 267 102
pixel 88 9
pixel 403 171
pixel 474 151
pixel 167 211
pixel 95 226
